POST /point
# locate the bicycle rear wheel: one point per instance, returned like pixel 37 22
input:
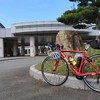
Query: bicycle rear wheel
pixel 57 77
pixel 92 81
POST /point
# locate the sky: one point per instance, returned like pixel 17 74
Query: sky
pixel 16 11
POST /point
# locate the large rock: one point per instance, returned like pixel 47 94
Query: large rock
pixel 70 39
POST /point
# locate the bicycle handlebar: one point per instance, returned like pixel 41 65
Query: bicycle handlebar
pixel 55 46
pixel 58 47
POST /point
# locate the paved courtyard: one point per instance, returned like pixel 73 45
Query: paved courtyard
pixel 17 84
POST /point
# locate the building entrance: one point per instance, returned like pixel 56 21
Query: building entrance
pixel 27 46
pixel 10 47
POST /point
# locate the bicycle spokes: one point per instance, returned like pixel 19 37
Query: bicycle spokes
pixel 55 72
pixel 92 73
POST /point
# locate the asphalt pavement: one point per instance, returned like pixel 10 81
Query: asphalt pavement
pixel 17 84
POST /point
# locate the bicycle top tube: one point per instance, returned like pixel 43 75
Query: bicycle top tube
pixel 73 51
pixel 57 47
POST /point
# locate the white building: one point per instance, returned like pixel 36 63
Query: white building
pixel 34 34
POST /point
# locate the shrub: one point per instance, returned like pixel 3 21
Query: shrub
pixel 79 26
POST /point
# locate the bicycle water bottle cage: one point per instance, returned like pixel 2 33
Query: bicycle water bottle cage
pixel 55 55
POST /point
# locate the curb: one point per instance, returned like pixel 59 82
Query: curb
pixel 72 82
pixel 11 58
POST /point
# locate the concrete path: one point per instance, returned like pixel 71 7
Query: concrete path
pixel 17 84
pixel 72 82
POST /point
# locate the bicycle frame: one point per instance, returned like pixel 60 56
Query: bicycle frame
pixel 79 70
pixel 85 68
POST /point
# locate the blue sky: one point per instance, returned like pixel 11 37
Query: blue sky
pixel 15 11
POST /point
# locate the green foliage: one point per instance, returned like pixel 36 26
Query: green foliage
pixel 82 14
pixel 99 36
pixel 98 26
pixel 87 2
pixel 92 51
pixel 95 3
pixel 42 49
pixel 79 26
pixel 94 28
pixel 87 12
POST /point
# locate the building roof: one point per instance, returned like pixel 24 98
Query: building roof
pixel 2 26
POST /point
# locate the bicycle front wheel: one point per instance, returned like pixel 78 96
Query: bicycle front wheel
pixel 92 81
pixel 54 77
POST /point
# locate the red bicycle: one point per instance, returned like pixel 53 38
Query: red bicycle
pixel 55 68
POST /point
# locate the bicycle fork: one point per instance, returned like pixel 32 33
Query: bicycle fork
pixel 55 65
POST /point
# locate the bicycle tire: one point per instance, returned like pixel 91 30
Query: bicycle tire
pixel 57 77
pixel 92 81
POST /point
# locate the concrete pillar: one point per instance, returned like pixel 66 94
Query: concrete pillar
pixel 22 47
pixel 32 46
pixel 1 48
pixel 15 47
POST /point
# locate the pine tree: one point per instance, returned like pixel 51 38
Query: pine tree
pixel 88 11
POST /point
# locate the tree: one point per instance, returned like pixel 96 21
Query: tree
pixel 87 2
pixel 43 49
pixel 87 12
